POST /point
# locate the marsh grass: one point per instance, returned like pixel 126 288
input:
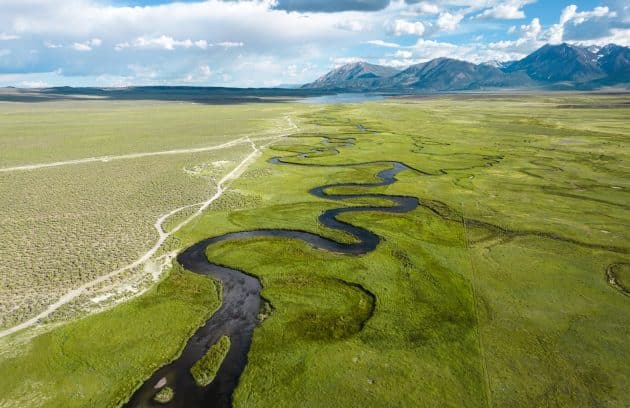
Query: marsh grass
pixel 101 359
pixel 204 370
pixel 164 396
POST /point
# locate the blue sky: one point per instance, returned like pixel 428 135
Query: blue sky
pixel 272 42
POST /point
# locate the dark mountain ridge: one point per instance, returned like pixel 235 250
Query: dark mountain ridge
pixel 562 66
pixel 358 75
pixel 446 73
pixel 556 63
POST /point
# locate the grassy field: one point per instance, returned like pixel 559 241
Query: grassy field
pixel 49 132
pixel 99 360
pixel 493 293
pixel 67 225
pixel 496 291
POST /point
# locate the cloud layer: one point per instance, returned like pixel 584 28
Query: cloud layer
pixel 268 42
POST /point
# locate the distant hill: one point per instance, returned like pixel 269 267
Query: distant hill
pixel 356 76
pixel 552 66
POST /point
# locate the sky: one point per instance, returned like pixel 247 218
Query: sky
pixel 264 43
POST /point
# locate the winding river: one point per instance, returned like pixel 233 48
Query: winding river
pixel 241 300
pixel 238 315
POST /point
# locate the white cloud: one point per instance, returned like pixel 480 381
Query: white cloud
pixel 403 27
pixel 200 75
pixel 202 44
pixel 51 45
pixel 509 10
pixel 337 62
pixel 429 49
pixel 34 84
pixel 532 30
pixel 278 45
pixel 426 8
pixel 82 46
pixel 121 46
pixel 530 38
pixel 579 18
pixel 205 70
pixel 381 43
pixel 567 14
pixel 230 44
pixel 165 42
pixel 571 18
pixel 448 21
pixel 616 36
pixel 8 37
pixel 403 54
pixel 352 25
pixel 594 24
pixel 422 51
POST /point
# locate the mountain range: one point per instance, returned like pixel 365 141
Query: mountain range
pixel 560 67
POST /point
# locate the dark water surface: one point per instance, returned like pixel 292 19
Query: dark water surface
pixel 238 314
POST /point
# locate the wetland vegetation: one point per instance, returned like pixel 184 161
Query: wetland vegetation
pixel 206 368
pixel 165 395
pixel 506 286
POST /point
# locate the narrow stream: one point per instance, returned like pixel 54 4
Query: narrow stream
pixel 238 315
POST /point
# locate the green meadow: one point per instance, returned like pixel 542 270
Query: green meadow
pixel 507 286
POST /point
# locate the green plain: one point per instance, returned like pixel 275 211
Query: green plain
pixel 494 292
pixel 99 360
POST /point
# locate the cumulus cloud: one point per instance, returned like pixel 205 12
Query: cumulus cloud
pixel 589 25
pixel 51 45
pixel 427 8
pixel 577 26
pixel 351 25
pixel 340 61
pixel 508 10
pixel 258 42
pixel 381 43
pixel 82 46
pixel 598 26
pixel 422 7
pixel 448 21
pixel 422 51
pixel 403 27
pixel 164 42
pixel 201 74
pixel 230 44
pixel 328 6
pixel 8 37
pixel 405 55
